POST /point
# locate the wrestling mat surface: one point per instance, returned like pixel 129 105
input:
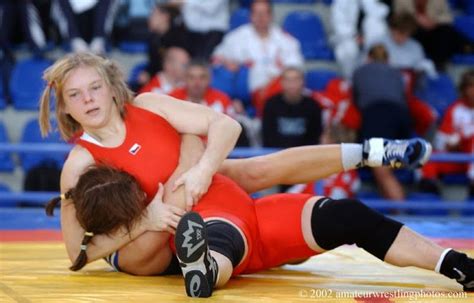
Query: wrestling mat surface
pixel 33 268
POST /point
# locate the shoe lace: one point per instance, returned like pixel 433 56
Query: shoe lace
pixel 395 150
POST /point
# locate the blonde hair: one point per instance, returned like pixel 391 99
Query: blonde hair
pixel 56 76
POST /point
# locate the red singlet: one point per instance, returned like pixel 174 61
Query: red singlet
pixel 150 153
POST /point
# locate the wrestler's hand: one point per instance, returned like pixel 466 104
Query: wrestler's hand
pixel 160 216
pixel 196 182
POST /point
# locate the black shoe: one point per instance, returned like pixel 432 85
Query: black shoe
pixel 199 268
pixel 459 266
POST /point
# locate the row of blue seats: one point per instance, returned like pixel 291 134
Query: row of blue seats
pixel 31 134
pixel 26 84
pixel 307 27
pixel 439 92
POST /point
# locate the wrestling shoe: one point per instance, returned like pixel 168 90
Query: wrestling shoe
pixel 459 266
pixel 192 250
pixel 410 154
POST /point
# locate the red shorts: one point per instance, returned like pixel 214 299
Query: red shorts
pixel 280 232
pixel 271 225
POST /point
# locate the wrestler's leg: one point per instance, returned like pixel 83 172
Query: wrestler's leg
pixel 329 223
pixel 309 163
pixel 225 268
pixel 289 166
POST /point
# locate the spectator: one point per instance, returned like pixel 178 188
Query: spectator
pixel 74 22
pixel 30 24
pixel 173 74
pixel 166 30
pixel 378 92
pixel 206 22
pixel 197 89
pixel 456 134
pixel 405 52
pixel 435 31
pixel 291 118
pixel 262 46
pixel 350 34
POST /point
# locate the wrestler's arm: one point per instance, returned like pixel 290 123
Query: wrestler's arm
pixel 188 118
pixel 101 245
pixel 156 253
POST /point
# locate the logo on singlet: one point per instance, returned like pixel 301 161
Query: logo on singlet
pixel 134 149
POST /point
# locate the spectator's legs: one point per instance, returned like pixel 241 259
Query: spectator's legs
pixel 104 14
pixel 7 14
pixel 31 24
pixel 67 23
pixel 70 19
pixel 7 60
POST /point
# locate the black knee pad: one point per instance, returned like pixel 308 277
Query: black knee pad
pixel 348 221
pixel 225 239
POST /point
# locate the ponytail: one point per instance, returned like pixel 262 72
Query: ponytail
pixel 49 208
pixel 81 260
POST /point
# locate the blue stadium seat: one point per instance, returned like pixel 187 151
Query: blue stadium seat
pixel 241 85
pixel 26 84
pixel 32 134
pixel 308 29
pixel 6 162
pixel 133 47
pixel 136 70
pixel 439 92
pixel 223 79
pixel 319 79
pixel 465 25
pixel 6 203
pixel 239 17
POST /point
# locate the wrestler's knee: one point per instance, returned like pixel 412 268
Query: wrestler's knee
pixel 349 221
pixel 258 170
